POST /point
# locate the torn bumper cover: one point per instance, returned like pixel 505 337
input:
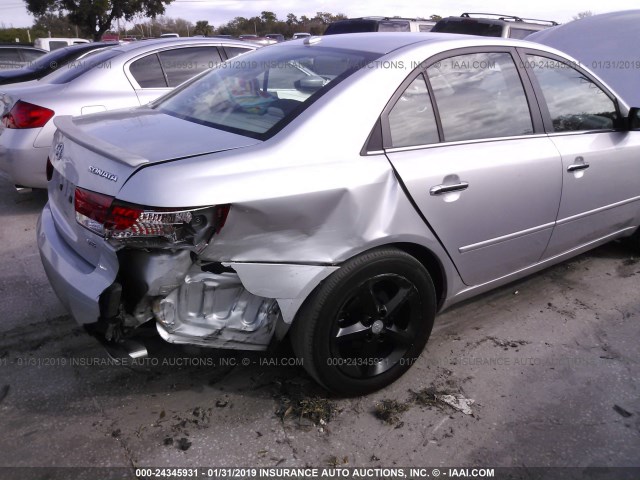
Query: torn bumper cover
pixel 77 283
pixel 239 307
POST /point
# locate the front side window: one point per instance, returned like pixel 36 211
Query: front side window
pixel 261 91
pixel 411 120
pixel 480 96
pixel 575 103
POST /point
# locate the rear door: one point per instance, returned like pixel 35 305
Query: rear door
pixel 471 153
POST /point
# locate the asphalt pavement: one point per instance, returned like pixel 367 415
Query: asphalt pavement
pixel 541 373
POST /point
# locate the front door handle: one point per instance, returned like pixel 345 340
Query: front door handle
pixel 442 189
pixel 577 166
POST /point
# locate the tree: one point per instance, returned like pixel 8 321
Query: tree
pixel 435 18
pixel 581 15
pixel 94 17
pixel 203 28
pixel 268 17
pixel 55 25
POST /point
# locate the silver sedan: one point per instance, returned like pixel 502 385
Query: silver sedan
pixel 125 76
pixel 339 191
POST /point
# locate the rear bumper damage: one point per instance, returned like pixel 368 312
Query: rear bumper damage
pixel 231 305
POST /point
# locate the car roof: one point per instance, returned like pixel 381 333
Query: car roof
pixel 170 42
pixel 20 45
pixel 386 42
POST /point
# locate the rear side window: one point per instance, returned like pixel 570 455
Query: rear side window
pixel 352 26
pixel 519 33
pixel 575 103
pixel 411 120
pixel 181 64
pixel 469 27
pixel 480 96
pixel 393 26
pixel 54 45
pixel 424 28
pixel 31 55
pixel 148 72
pixel 9 55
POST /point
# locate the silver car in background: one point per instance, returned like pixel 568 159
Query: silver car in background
pixel 124 76
pixel 345 207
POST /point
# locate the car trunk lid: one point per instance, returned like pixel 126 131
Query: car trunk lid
pixel 100 152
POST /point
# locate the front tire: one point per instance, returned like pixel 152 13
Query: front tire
pixel 367 323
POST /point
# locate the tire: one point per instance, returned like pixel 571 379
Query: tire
pixel 633 242
pixel 378 305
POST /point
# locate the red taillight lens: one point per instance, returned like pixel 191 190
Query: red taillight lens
pixel 27 115
pixel 92 209
pixel 122 217
pixel 123 222
pixel 222 212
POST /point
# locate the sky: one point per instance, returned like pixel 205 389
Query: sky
pixel 13 13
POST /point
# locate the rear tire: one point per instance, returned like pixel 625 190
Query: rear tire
pixel 367 323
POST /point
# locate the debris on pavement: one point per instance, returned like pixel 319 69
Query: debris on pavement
pixel 622 411
pixel 184 444
pixel 4 391
pixel 389 411
pixel 459 403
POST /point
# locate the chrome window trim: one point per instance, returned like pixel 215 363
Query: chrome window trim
pixel 464 142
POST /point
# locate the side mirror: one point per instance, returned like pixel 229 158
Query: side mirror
pixel 634 118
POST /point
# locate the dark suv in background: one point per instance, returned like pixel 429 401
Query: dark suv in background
pixel 379 24
pixel 498 25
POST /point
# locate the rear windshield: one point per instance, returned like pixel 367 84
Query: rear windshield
pixel 469 27
pixel 74 69
pixel 260 92
pixel 53 59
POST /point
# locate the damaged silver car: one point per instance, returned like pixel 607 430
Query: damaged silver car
pixel 339 191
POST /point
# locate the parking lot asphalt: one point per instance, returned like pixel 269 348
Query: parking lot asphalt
pixel 551 363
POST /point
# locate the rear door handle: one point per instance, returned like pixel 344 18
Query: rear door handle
pixel 577 166
pixel 442 189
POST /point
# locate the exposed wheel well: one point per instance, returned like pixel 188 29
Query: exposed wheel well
pixel 431 263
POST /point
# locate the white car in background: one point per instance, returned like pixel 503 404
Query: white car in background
pixel 51 44
pixel 124 76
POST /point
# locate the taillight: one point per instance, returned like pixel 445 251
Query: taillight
pixel 27 115
pixel 92 209
pixel 125 223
